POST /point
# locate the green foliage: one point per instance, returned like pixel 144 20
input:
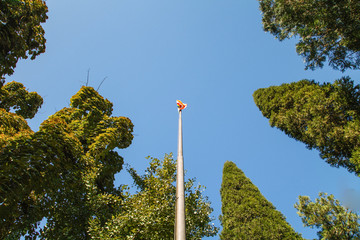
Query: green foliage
pixel 326 116
pixel 246 214
pixel 150 213
pixel 16 197
pixel 13 96
pixel 335 221
pixel 63 172
pixel 328 30
pixel 323 116
pixel 21 33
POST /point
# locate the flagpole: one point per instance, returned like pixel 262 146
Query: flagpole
pixel 180 189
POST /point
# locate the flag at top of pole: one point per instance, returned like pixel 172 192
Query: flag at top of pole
pixel 180 105
pixel 180 228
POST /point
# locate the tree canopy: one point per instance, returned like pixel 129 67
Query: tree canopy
pixel 21 33
pixel 246 214
pixel 323 116
pixel 65 171
pixel 335 221
pixel 150 213
pixel 328 30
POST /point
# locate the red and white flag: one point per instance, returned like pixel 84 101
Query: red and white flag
pixel 180 105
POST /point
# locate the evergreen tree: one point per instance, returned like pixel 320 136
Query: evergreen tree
pixel 246 214
pixel 323 116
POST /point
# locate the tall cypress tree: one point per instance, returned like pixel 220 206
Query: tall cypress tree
pixel 324 116
pixel 246 214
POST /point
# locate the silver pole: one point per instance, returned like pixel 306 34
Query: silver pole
pixel 180 189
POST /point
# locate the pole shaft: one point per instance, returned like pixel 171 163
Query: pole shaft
pixel 180 190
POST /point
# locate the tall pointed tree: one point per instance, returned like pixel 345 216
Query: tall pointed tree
pixel 325 117
pixel 246 214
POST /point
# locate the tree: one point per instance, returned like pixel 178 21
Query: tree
pixel 15 194
pixel 323 116
pixel 21 33
pixel 246 214
pixel 150 213
pixel 335 221
pixel 65 171
pixel 328 30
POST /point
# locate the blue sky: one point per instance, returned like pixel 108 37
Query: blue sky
pixel 212 55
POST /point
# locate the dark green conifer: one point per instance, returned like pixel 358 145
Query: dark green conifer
pixel 246 214
pixel 325 117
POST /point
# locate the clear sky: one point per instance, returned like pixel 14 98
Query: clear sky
pixel 212 55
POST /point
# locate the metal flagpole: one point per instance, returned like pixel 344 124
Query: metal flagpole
pixel 180 188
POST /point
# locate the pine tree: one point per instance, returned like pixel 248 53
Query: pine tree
pixel 246 214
